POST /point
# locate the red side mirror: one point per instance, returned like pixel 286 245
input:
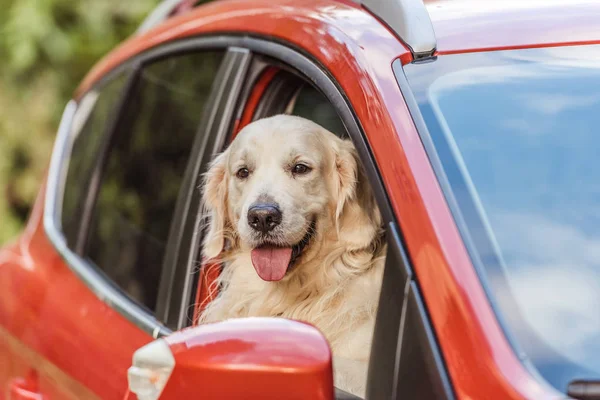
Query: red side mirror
pixel 249 358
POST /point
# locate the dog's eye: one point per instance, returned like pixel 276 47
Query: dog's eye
pixel 300 169
pixel 242 173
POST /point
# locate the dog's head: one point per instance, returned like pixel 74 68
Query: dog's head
pixel 283 184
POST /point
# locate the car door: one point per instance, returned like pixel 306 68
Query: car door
pixel 81 288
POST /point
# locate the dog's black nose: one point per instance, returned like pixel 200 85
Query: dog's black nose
pixel 264 217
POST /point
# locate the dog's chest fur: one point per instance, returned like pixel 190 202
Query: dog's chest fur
pixel 341 307
pixel 338 294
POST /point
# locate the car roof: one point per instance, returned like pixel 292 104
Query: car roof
pixel 479 25
pixel 458 25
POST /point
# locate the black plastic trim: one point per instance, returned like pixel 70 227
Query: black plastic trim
pixel 421 369
pixel 340 394
pixel 387 336
pixel 257 67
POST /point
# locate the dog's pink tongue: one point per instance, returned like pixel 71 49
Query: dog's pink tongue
pixel 271 263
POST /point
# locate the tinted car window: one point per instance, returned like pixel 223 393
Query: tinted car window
pixel 311 104
pixel 144 169
pixel 89 127
pixel 517 134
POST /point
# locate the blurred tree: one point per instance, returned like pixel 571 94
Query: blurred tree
pixel 46 47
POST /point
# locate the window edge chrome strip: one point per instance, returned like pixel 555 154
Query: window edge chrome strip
pixel 52 226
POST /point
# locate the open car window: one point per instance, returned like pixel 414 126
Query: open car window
pixel 420 371
pixel 311 104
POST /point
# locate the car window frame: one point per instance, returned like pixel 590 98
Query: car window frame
pixel 101 285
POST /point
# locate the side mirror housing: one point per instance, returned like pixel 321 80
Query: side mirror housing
pixel 248 358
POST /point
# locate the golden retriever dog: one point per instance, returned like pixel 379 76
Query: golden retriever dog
pixel 293 220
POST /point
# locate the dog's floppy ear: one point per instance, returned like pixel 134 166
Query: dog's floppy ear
pixel 357 217
pixel 214 198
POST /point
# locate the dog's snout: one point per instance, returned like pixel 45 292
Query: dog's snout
pixel 264 217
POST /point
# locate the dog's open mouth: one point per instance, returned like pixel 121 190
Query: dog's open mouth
pixel 272 262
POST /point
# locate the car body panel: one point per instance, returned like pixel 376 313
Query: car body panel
pixel 319 27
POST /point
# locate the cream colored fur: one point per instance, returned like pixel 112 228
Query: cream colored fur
pixel 335 284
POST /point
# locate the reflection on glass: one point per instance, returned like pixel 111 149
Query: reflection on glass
pixel 517 133
pixel 87 132
pixel 145 169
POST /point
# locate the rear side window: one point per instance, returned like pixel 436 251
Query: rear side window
pixel 144 171
pixel 141 172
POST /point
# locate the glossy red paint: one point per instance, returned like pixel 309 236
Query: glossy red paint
pixel 358 52
pixel 314 23
pixel 25 388
pixel 474 25
pixel 78 345
pixel 251 358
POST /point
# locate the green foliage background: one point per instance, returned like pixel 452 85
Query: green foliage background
pixel 46 48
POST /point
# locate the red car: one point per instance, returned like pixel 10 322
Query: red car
pixel 476 122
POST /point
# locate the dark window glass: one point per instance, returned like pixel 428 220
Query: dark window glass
pixel 517 134
pixel 144 170
pixel 311 104
pixel 89 127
